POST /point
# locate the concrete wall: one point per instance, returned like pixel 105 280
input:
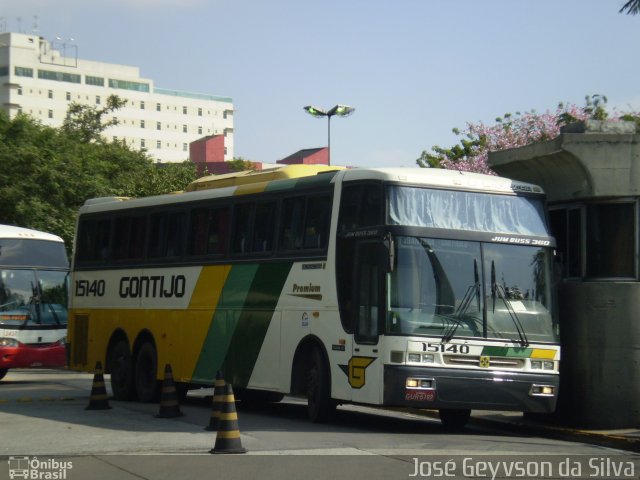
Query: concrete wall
pixel 591 162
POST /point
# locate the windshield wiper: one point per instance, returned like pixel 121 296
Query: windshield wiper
pixel 472 291
pixel 498 290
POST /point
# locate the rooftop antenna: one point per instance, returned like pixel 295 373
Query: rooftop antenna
pixel 36 27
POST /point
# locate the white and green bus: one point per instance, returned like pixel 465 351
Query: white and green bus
pixel 417 288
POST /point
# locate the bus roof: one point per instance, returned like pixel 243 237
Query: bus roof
pixel 296 176
pixel 441 178
pixel 251 177
pixel 11 231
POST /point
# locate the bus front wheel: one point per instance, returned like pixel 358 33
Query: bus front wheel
pixel 121 368
pixel 454 419
pixel 320 406
pixel 3 372
pixel 146 383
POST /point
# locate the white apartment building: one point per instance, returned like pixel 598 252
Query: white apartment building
pixel 42 78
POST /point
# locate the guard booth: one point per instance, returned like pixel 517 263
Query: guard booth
pixel 591 174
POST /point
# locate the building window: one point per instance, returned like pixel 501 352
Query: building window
pixel 97 81
pixel 141 123
pixel 158 126
pixel 184 147
pixel 199 112
pixel 59 76
pixel 126 85
pixel 141 104
pixel 596 240
pixel 184 129
pixel 19 90
pixel 50 113
pixel 68 96
pixel 199 130
pixel 50 93
pixel 158 144
pixel 97 99
pixel 184 110
pixel 158 107
pixel 143 144
pixel 23 72
pixel 611 240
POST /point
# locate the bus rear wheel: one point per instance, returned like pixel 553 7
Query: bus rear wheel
pixel 3 372
pixel 320 406
pixel 121 368
pixel 454 419
pixel 146 383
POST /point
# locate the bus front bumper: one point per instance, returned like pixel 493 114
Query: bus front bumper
pixel 435 388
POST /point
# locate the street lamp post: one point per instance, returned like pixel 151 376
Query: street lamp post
pixel 338 110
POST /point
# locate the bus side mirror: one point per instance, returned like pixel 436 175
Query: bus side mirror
pixel 388 254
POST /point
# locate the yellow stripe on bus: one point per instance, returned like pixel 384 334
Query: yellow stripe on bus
pixel 543 354
pixel 205 297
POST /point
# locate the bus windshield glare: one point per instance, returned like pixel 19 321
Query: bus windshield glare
pixel 33 297
pixel 470 289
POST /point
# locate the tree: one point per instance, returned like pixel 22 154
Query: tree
pixel 239 164
pixel 511 131
pixel 632 7
pixel 86 122
pixel 46 174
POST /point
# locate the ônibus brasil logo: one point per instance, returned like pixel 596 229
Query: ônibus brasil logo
pixel 35 469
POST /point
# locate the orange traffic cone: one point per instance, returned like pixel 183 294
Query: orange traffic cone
pixel 218 392
pixel 98 399
pixel 228 437
pixel 169 407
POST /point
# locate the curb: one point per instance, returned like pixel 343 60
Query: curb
pixel 620 442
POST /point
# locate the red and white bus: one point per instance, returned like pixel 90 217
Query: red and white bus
pixel 33 299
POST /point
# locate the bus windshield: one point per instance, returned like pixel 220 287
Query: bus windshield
pixel 460 288
pixel 33 297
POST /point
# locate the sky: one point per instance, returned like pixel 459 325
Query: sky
pixel 412 69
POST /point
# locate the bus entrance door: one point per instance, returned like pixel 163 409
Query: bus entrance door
pixel 365 365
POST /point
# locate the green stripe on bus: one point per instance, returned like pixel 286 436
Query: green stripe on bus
pixel 240 322
pixel 254 322
pixel 224 322
pixel 278 185
pixel 507 352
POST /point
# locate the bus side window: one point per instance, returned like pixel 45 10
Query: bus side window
pixel 292 223
pixel 263 227
pixel 367 280
pixel 94 240
pixel 361 206
pixel 349 207
pixel 175 232
pixel 242 228
pixel 316 228
pixel 218 231
pixel 198 231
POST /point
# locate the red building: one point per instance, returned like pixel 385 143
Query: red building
pixel 208 155
pixel 308 156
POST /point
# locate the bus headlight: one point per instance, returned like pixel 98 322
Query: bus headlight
pixel 9 342
pixel 548 365
pixel 413 357
pixel 421 383
pixel 536 364
pixel 421 357
pixel 542 390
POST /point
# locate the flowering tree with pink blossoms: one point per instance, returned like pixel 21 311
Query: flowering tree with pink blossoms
pixel 511 131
